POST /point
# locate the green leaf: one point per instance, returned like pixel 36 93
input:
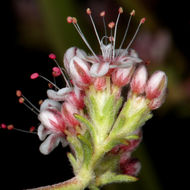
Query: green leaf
pixel 110 177
pixel 73 162
pixel 89 126
pixel 77 146
pixel 87 148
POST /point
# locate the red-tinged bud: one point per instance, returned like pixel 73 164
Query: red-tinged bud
pixel 131 167
pixel 10 127
pixel 3 126
pixel 88 11
pixel 99 83
pixel 69 54
pixel 139 79
pixel 156 85
pixel 69 19
pixel 68 111
pixel 122 76
pixel 103 13
pixel 53 120
pixel 76 100
pixel 79 71
pixel 157 102
pixel 18 93
pixel 52 56
pixel 34 75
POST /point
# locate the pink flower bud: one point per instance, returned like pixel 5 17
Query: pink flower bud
pixel 68 111
pixel 53 120
pixel 122 76
pixel 79 71
pixel 139 79
pixel 100 83
pixel 69 54
pixel 156 85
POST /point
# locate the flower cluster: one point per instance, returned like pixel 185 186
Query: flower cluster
pixel 90 114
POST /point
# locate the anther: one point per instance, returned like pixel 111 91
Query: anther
pixel 88 11
pixel 132 13
pixel 18 93
pixel 21 100
pixel 120 10
pixel 52 56
pixel 40 102
pixel 74 20
pixel 111 25
pixel 103 13
pixel 10 127
pixel 142 21
pixel 3 126
pixel 32 129
pixel 34 75
pixel 69 19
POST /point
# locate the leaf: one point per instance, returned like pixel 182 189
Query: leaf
pixel 110 177
pixel 89 126
pixel 77 146
pixel 73 161
pixel 87 148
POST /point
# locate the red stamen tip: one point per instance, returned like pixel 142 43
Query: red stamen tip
pixel 50 85
pixel 21 100
pixel 34 76
pixel 132 13
pixel 111 38
pixel 88 11
pixel 120 10
pixel 111 24
pixel 32 129
pixel 10 127
pixel 18 93
pixel 142 20
pixel 74 20
pixel 103 13
pixel 3 126
pixel 52 56
pixel 69 19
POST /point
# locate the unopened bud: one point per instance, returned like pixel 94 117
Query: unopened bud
pixel 156 85
pixel 139 79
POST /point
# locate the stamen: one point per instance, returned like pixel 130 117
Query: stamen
pixel 111 25
pixel 52 56
pixel 21 101
pixel 88 11
pixel 126 31
pixel 74 22
pixel 36 75
pixel 102 14
pixel 141 22
pixel 115 31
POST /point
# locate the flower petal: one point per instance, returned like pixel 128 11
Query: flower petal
pixel 48 103
pixel 99 69
pixel 43 132
pixel 49 144
pixel 58 95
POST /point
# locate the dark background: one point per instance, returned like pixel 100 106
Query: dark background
pixel 25 45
